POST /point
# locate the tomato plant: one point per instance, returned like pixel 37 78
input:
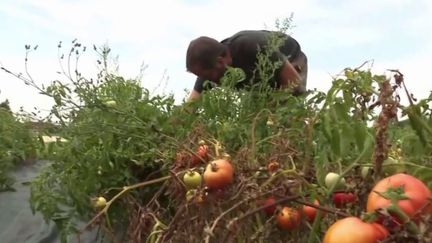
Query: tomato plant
pixel 17 144
pixel 135 147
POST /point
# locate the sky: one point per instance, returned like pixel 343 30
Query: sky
pixel 395 34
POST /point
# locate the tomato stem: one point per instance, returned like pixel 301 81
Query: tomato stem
pixel 315 228
pixel 370 217
pixel 308 146
pixel 124 190
pixel 346 171
pixel 322 208
pixel 401 215
pixel 214 167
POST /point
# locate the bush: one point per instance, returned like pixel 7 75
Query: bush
pixel 17 145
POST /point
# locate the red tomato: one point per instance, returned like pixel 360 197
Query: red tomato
pixel 340 199
pixel 269 201
pixel 415 190
pixel 200 156
pixel 218 174
pixel 288 218
pixel 354 230
pixel 310 212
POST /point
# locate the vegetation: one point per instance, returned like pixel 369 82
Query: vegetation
pixel 17 144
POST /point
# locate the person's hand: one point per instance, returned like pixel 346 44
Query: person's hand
pixel 288 76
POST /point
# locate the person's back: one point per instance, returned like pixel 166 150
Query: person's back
pixel 240 50
pixel 245 46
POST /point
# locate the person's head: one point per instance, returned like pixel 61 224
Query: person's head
pixel 207 58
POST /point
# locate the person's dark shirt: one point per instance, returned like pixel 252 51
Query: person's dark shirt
pixel 244 47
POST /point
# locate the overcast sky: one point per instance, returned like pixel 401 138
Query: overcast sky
pixel 396 34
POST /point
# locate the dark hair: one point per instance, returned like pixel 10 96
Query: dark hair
pixel 203 51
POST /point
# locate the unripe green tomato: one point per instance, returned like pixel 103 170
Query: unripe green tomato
pixel 190 194
pixel 270 122
pixel 365 171
pixel 100 202
pixel 194 196
pixel 332 178
pixel 393 166
pixel 192 179
pixel 111 103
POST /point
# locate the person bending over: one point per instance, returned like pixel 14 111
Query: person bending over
pixel 208 59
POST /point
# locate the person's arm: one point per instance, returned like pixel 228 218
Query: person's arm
pixel 196 90
pixel 193 95
pixel 288 76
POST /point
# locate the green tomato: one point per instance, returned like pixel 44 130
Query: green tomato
pixel 365 171
pixel 270 122
pixel 393 166
pixel 111 103
pixel 195 196
pixel 192 179
pixel 100 202
pixel 190 194
pixel 332 178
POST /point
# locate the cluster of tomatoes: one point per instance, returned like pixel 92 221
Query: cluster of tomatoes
pixel 289 218
pixel 218 173
pixel 400 197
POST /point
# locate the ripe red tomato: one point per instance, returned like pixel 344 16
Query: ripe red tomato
pixel 341 199
pixel 218 174
pixel 269 201
pixel 354 230
pixel 310 212
pixel 288 218
pixel 415 190
pixel 200 156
